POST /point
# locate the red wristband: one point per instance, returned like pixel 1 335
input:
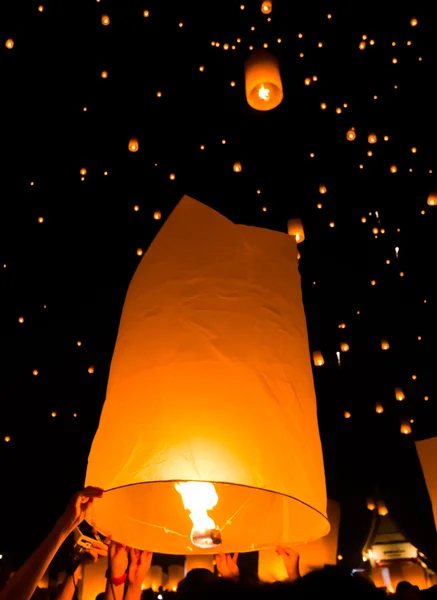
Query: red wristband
pixel 118 580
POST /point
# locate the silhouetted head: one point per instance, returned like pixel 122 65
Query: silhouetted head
pixel 407 591
pixel 194 583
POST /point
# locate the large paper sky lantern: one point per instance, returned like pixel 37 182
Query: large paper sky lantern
pixel 208 439
pixel 263 80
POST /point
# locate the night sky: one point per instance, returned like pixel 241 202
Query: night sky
pixel 70 243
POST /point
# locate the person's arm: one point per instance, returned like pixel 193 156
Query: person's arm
pixel 92 555
pixel 139 566
pixel 118 561
pixel 69 585
pixel 25 581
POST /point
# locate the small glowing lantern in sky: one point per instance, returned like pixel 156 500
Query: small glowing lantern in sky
pixel 432 199
pixel 318 359
pixel 351 135
pixel 405 426
pixel 344 347
pixel 385 345
pixel 382 509
pixel 133 145
pixel 237 167
pixel 379 408
pixel 9 44
pixel 399 394
pixel 266 7
pixel 371 138
pixel 295 228
pixel 105 20
pixel 371 504
pixel 263 80
pixel 211 397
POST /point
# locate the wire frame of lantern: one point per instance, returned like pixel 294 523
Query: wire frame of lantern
pixel 263 81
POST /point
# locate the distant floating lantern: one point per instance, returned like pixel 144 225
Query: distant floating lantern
pixel 91 369
pixel 432 199
pixel 347 414
pixel 237 167
pixel 105 20
pixel 344 347
pixel 133 145
pixel 370 503
pixel 405 427
pixel 399 394
pixel 194 465
pixel 83 172
pixel 263 81
pixel 385 345
pixel 318 359
pixel 351 135
pixel 9 44
pixel 266 7
pixel 157 215
pixel 371 138
pixel 295 228
pixel 382 508
pixel 379 408
pixel 322 189
pixel 393 169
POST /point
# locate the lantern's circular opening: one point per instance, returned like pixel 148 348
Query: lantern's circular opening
pixel 152 516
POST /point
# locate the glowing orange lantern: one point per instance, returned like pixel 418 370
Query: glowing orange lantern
pixel 266 7
pixel 295 228
pixel 237 167
pixel 344 347
pixel 263 81
pixel 351 135
pixel 133 145
pixel 371 138
pixel 432 199
pixel 399 394
pixel 370 504
pixel 405 427
pixel 382 508
pixel 385 345
pixel 318 359
pixel 228 336
pixel 9 44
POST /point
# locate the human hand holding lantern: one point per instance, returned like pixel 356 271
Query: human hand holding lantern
pixel 139 565
pixel 290 558
pixel 77 508
pixel 227 565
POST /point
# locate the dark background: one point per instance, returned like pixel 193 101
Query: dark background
pixel 68 276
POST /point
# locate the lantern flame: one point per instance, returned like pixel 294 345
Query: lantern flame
pixel 264 93
pixel 199 497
